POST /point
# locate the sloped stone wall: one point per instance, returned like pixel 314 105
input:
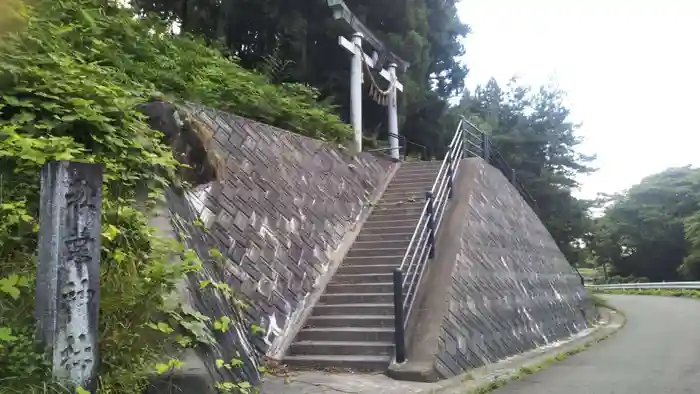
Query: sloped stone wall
pixel 512 288
pixel 279 211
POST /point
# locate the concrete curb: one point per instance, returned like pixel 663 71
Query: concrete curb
pixel 493 376
pixel 693 294
pixel 477 381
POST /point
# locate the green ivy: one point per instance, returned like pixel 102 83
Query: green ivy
pixel 72 73
pixel 144 53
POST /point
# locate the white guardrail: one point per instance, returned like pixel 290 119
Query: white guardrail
pixel 657 285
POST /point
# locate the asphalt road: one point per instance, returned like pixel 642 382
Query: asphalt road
pixel 657 352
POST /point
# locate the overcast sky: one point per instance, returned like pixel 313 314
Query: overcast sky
pixel 631 70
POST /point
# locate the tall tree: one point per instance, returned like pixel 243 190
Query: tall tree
pixel 651 231
pixel 533 133
pixel 302 36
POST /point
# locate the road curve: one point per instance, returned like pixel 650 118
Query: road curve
pixel 657 352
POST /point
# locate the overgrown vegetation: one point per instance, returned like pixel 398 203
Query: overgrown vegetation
pixel 651 232
pixel 302 38
pixel 146 56
pixel 71 75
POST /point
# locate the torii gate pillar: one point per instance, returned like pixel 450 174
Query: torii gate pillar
pixel 358 58
pixel 356 90
pixel 393 115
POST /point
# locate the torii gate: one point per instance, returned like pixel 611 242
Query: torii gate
pixel 341 11
pixel 358 57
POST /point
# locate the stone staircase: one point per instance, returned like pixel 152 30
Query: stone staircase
pixel 352 326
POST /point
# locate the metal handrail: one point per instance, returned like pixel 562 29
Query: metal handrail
pixel 421 247
pixel 406 142
pixel 468 140
pixel 482 146
pixel 404 146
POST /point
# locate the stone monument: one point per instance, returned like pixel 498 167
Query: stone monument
pixel 68 275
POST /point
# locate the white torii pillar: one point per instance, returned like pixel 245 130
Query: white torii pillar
pixel 356 89
pixel 393 115
pixel 358 56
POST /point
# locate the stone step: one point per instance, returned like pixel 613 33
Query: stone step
pixel 347 334
pixel 409 186
pixel 417 172
pixel 362 363
pixel 368 268
pixel 342 348
pixel 351 279
pixel 359 288
pixel 362 278
pixel 357 298
pixel 388 230
pixel 354 309
pixel 413 177
pixel 395 236
pixel 417 162
pixel 420 164
pixel 415 208
pixel 400 200
pixel 408 192
pixel 401 244
pixel 382 213
pixel 359 253
pixel 379 215
pixel 413 191
pixel 337 321
pixel 393 258
pixel 393 194
pixel 387 206
pixel 411 180
pixel 417 194
pixel 389 223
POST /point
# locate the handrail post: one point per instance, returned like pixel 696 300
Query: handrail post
pixel 399 333
pixel 405 148
pixel 431 223
pixel 512 176
pixel 465 138
pixel 449 174
pixel 485 147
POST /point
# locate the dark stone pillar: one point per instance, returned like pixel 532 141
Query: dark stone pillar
pixel 68 273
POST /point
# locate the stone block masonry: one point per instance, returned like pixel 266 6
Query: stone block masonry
pixel 278 210
pixel 512 289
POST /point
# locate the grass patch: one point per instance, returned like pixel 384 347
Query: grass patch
pixel 531 369
pixel 686 293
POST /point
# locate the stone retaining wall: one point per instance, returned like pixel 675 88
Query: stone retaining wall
pixel 512 288
pixel 280 211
